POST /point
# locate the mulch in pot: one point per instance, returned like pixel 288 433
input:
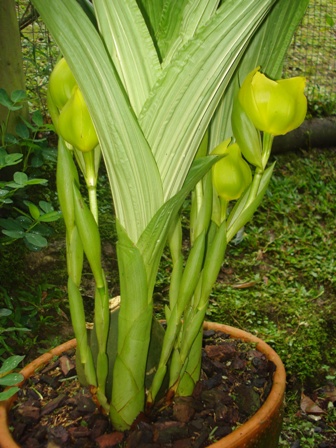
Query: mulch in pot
pixel 54 410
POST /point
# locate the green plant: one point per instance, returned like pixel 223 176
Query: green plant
pixel 159 83
pixel 8 378
pixel 20 218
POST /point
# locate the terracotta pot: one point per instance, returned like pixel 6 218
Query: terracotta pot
pixel 260 431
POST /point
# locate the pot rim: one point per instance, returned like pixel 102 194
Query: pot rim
pixel 235 439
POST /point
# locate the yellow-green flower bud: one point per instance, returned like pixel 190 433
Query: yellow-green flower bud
pixel 275 107
pixel 61 83
pixel 75 124
pixel 231 175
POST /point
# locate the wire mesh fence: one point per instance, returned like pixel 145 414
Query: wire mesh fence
pixel 311 54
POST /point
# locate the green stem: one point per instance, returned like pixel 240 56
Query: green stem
pixel 267 147
pixel 224 205
pixel 266 151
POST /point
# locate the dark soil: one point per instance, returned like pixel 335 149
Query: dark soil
pixel 54 411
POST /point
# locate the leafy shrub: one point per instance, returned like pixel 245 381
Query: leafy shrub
pixel 20 217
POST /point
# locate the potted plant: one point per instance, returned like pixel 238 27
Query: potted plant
pixel 172 96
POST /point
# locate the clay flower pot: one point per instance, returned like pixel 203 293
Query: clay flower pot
pixel 262 430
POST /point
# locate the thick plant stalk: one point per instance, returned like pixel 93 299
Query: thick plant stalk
pixel 66 178
pixel 189 353
pixel 90 238
pixel 135 319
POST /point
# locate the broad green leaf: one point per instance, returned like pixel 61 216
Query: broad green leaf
pixel 37 118
pixel 8 393
pixel 46 206
pixel 131 47
pixel 135 318
pixel 170 24
pixel 22 130
pixel 10 363
pixel 36 181
pixel 37 161
pixel 153 239
pixel 4 312
pixel 152 12
pixel 4 99
pixel 11 379
pixel 11 140
pixel 133 174
pixel 18 95
pixel 33 210
pixel 187 93
pixel 20 178
pixel 36 240
pixel 195 14
pixel 24 221
pixel 9 159
pixel 10 224
pixel 14 234
pixel 51 217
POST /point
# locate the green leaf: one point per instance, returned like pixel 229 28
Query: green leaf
pixel 9 329
pixel 135 318
pixel 46 206
pixel 170 24
pixel 10 224
pixel 37 118
pixel 8 393
pixel 179 23
pixel 11 379
pixel 189 89
pixel 22 130
pixel 37 161
pixel 4 312
pixel 132 170
pixel 36 181
pixel 9 159
pixel 10 364
pixel 17 96
pixel 51 216
pixel 33 210
pixel 14 234
pixel 154 237
pixel 131 48
pixel 24 221
pixel 36 240
pixel 4 99
pixel 20 178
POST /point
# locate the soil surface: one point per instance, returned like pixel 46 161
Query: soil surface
pixel 53 410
